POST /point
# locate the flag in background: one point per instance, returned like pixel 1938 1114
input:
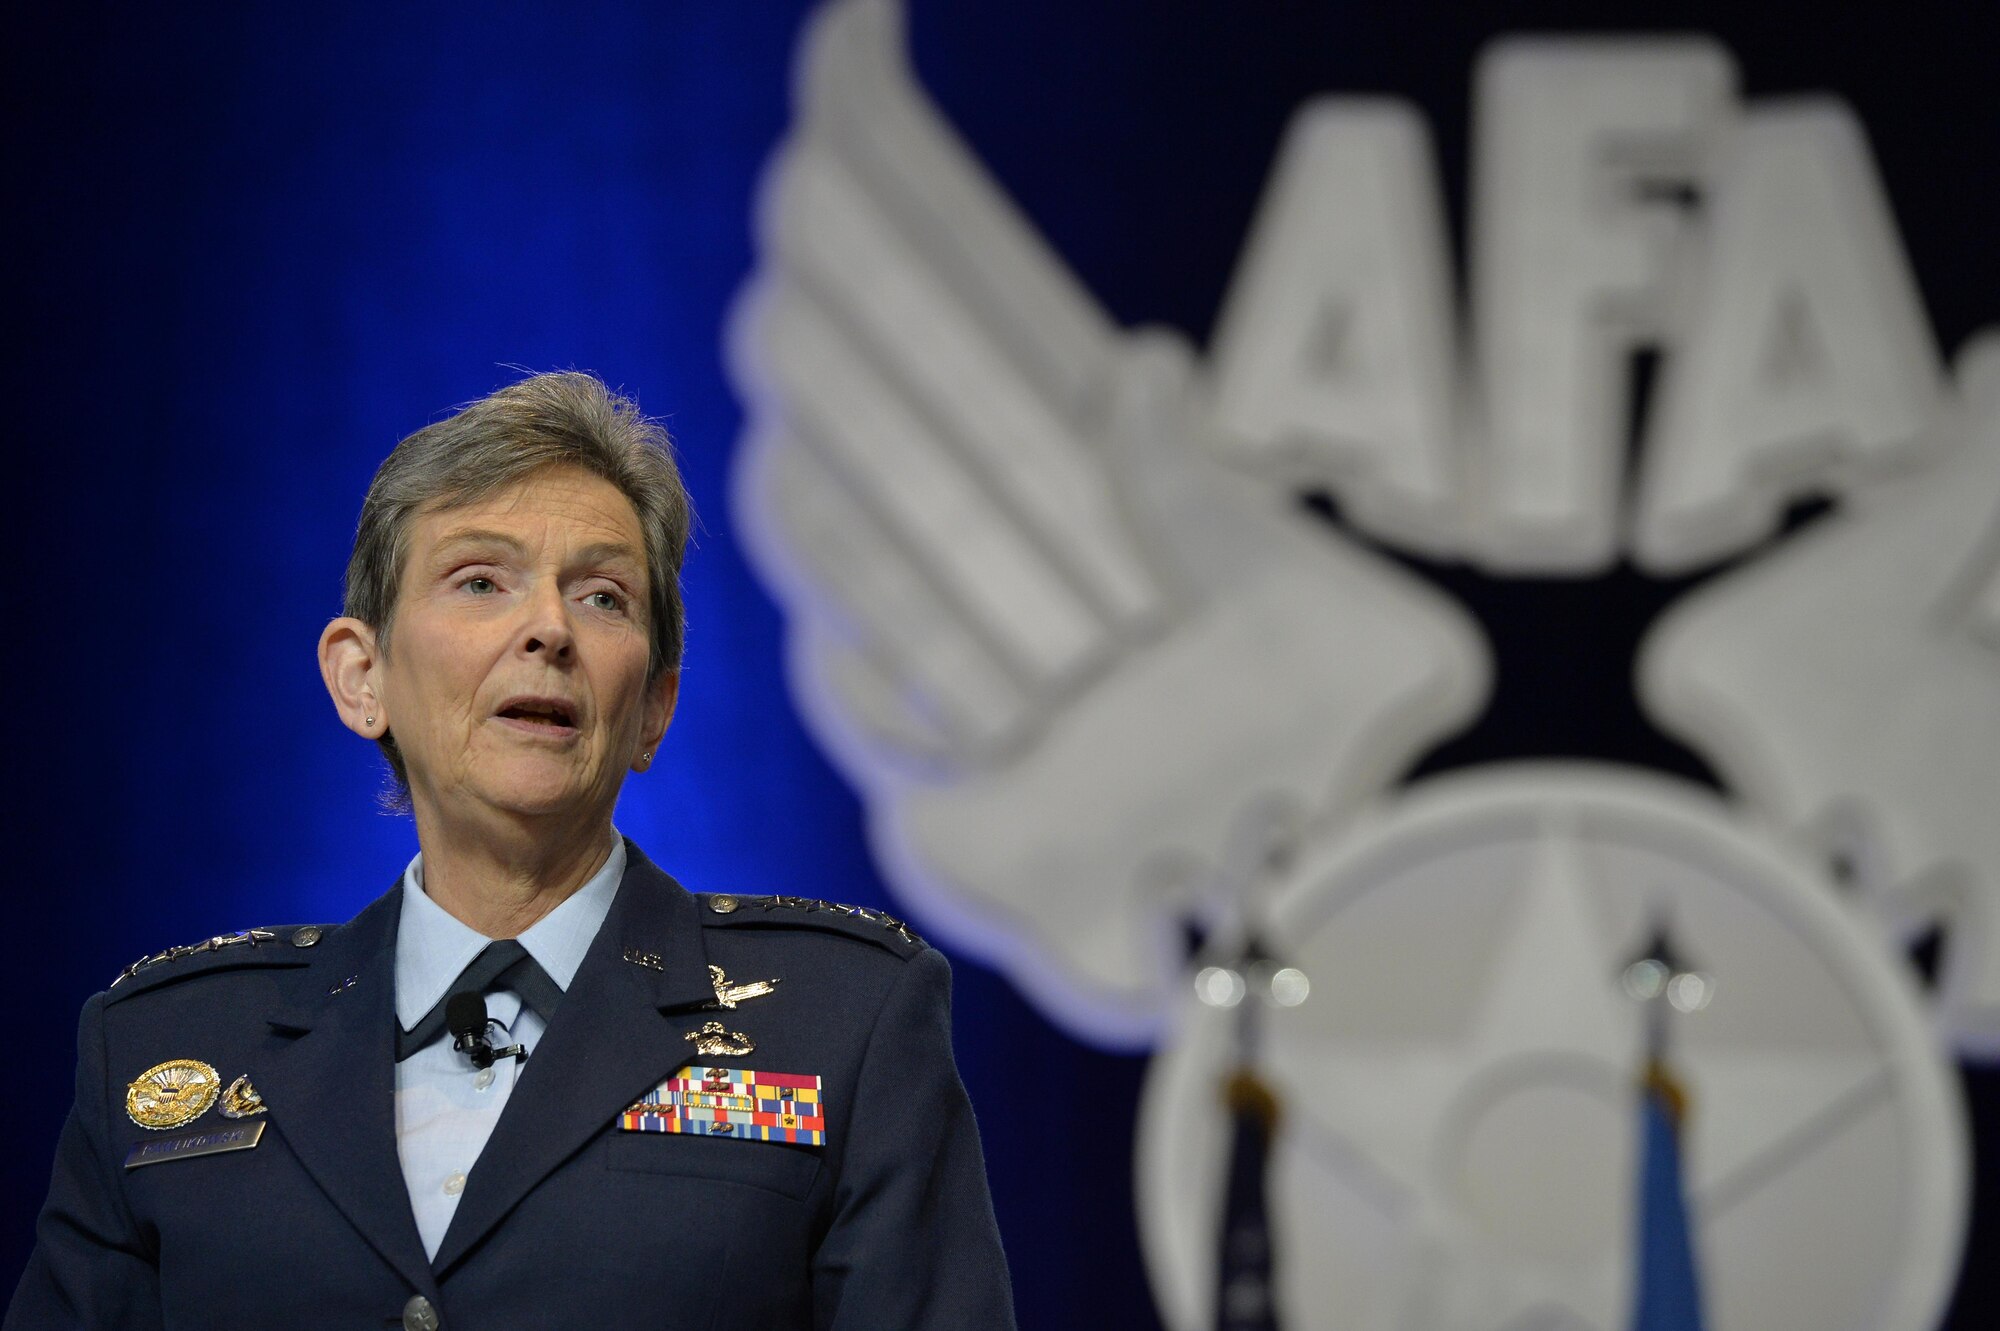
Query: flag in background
pixel 1666 1288
pixel 1244 1293
pixel 1246 1258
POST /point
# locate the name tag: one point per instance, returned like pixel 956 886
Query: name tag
pixel 190 1144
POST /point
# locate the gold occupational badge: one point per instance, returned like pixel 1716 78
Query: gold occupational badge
pixel 178 1091
pixel 729 995
pixel 241 1100
pixel 712 1041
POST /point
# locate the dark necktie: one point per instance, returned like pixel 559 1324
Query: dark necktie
pixel 503 965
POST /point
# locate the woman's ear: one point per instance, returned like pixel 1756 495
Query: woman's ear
pixel 661 695
pixel 348 662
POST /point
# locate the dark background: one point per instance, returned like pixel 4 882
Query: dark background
pixel 252 247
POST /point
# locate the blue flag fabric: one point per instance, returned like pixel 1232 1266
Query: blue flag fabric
pixel 1667 1289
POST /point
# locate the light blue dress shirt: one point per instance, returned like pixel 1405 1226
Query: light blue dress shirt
pixel 446 1108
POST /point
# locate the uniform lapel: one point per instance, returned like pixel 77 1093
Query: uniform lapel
pixel 332 1088
pixel 621 1027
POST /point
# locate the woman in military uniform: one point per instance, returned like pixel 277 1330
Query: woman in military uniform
pixel 538 1083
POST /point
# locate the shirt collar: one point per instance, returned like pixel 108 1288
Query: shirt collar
pixel 434 946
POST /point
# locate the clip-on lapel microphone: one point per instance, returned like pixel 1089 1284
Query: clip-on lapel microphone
pixel 465 1015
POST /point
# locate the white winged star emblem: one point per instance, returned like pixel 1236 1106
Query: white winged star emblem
pixel 1082 673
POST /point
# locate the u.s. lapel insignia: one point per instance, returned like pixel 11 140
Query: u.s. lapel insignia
pixel 712 1041
pixel 240 1100
pixel 729 995
pixel 177 1091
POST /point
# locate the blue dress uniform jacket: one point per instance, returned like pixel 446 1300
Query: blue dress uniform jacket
pixel 567 1220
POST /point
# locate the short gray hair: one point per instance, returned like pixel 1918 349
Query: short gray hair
pixel 545 420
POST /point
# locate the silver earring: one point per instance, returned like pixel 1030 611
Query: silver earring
pixel 646 757
pixel 369 722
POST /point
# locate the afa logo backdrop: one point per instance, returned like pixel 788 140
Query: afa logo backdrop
pixel 250 251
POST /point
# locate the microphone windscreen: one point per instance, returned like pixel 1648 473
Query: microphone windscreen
pixel 465 1014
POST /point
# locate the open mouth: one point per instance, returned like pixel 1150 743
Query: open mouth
pixel 545 714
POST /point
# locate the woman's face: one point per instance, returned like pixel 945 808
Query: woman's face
pixel 515 680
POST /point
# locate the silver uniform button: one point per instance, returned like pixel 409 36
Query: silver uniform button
pixel 722 905
pixel 306 937
pixel 419 1315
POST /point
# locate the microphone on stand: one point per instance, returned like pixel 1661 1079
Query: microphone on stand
pixel 465 1016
